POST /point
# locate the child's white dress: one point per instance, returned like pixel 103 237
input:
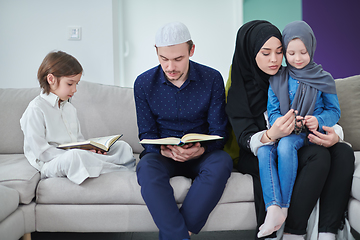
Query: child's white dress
pixel 46 125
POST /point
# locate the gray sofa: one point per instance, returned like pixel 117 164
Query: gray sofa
pixel 112 202
pixel 348 91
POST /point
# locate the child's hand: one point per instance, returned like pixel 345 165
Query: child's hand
pixel 298 121
pixel 98 151
pixel 311 122
pixel 101 152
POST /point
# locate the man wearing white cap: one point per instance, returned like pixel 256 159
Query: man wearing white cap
pixel 174 98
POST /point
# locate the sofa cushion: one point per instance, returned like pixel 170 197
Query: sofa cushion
pixel 11 136
pixel 17 173
pixel 9 201
pixel 123 189
pixel 127 190
pixel 107 110
pixel 239 188
pixel 355 189
pixel 348 90
pixel 354 214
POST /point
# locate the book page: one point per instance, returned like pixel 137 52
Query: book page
pixel 106 141
pixel 84 146
pixel 162 141
pixel 187 138
pixel 67 145
pixel 103 143
pixel 196 137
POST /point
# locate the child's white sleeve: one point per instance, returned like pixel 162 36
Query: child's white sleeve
pixel 35 143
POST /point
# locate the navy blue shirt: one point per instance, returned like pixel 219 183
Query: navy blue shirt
pixel 164 110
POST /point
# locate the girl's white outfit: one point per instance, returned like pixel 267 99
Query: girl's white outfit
pixel 46 125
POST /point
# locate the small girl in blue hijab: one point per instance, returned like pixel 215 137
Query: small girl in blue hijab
pixel 310 91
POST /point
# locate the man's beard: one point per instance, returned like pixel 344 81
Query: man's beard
pixel 170 79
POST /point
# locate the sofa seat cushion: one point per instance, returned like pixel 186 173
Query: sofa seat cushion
pixel 17 173
pixel 239 188
pixel 122 188
pixel 355 190
pixel 9 201
pixel 109 188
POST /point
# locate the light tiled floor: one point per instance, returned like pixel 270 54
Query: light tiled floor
pixel 228 235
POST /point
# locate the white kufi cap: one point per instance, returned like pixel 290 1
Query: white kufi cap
pixel 172 34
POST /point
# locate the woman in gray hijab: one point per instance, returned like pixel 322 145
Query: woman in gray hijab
pixel 309 90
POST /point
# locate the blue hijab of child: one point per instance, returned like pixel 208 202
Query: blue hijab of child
pixel 312 77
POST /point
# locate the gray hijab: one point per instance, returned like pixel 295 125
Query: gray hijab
pixel 312 77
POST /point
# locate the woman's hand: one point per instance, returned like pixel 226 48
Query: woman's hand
pixel 282 127
pixel 326 140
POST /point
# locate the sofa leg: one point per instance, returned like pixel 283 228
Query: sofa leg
pixel 27 236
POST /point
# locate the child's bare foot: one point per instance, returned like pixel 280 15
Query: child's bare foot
pixel 273 221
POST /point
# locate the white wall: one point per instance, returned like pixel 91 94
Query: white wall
pixel 117 35
pixel 31 29
pixel 213 25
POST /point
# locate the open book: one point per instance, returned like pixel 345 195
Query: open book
pixel 99 144
pixel 187 138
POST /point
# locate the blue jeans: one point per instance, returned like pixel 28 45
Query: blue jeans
pixel 278 168
pixel 210 173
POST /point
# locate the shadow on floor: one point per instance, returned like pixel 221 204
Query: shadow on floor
pixel 228 235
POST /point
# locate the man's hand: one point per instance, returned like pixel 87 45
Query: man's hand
pixel 182 153
pixel 311 122
pixel 326 140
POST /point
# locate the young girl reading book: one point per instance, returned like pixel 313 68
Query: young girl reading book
pixel 310 91
pixel 51 120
